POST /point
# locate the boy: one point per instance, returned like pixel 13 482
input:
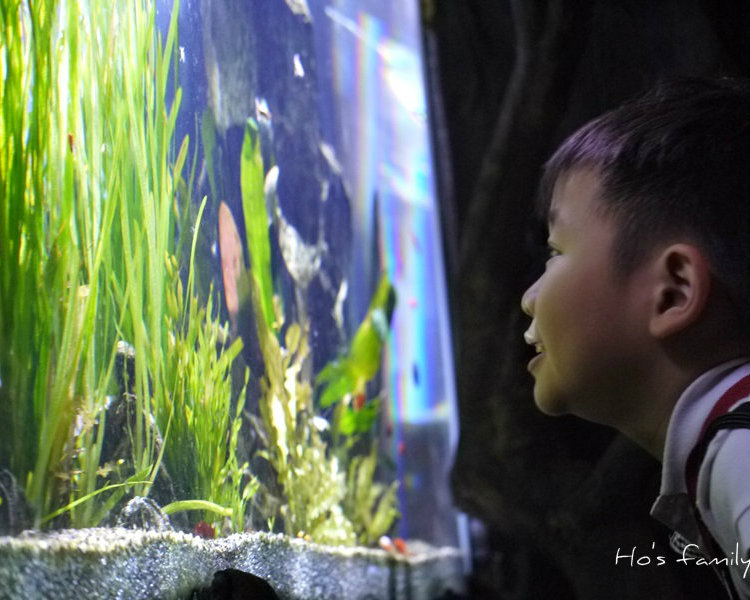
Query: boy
pixel 640 319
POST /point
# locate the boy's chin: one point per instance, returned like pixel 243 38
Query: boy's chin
pixel 550 406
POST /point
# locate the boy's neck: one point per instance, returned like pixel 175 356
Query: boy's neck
pixel 649 425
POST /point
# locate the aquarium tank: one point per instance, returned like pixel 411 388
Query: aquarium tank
pixel 221 270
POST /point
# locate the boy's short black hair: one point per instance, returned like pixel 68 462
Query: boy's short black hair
pixel 673 163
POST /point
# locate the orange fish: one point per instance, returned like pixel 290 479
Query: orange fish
pixel 400 545
pixel 232 260
pixel 237 286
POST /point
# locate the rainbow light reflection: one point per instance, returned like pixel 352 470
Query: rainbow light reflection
pixel 384 146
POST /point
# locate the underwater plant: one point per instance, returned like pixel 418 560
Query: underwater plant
pixel 328 490
pixel 311 477
pixel 346 376
pixel 83 161
pixel 92 232
pixel 312 483
pixel 256 221
pixel 371 506
pixel 201 417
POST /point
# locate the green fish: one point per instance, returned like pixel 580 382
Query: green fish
pixel 350 373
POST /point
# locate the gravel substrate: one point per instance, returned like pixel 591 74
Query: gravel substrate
pixel 137 564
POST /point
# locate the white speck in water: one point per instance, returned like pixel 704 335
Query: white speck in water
pixel 182 54
pixel 330 155
pixel 338 307
pixel 299 70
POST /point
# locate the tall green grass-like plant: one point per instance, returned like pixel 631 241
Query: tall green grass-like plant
pixel 202 425
pixel 54 355
pixel 88 229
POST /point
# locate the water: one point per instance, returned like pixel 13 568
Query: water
pixel 308 138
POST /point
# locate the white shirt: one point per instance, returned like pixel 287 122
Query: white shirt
pixel 723 492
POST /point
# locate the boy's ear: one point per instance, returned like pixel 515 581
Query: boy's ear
pixel 683 282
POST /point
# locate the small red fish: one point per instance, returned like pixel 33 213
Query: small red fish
pixel 71 142
pixel 204 530
pixel 359 402
pixel 395 545
pixel 400 545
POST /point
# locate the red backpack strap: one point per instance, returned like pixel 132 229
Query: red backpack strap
pixel 718 418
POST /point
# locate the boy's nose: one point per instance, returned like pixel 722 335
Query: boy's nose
pixel 528 299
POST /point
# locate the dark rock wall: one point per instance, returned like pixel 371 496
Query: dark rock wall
pixel 510 79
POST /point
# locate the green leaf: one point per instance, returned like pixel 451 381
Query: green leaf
pixel 358 421
pixel 181 505
pixel 132 481
pixel 256 218
pixel 343 384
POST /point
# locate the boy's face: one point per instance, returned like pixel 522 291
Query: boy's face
pixel 588 321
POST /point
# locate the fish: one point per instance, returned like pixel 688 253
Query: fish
pixel 232 260
pixel 204 530
pixel 237 285
pixel 394 545
pixel 350 372
pixel 400 545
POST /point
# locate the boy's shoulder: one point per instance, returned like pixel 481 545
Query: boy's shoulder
pixel 725 506
pixel 725 495
pixel 687 421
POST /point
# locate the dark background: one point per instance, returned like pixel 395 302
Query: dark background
pixel 552 500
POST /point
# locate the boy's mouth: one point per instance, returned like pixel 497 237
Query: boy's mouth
pixel 530 338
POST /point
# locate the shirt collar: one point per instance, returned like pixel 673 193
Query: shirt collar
pixel 688 417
